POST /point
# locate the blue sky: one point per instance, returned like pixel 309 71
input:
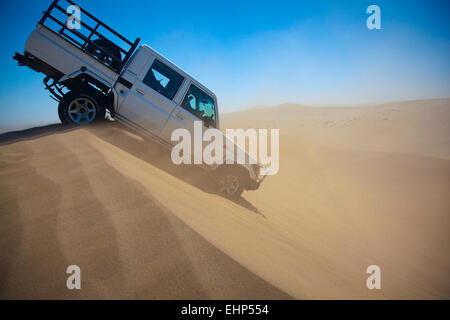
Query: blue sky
pixel 258 53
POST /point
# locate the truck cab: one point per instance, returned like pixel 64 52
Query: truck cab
pixel 158 97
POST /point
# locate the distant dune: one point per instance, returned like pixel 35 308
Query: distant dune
pixel 357 186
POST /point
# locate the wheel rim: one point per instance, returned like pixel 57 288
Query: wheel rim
pixel 229 185
pixel 82 111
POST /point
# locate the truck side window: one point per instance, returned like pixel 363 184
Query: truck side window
pixel 200 104
pixel 163 79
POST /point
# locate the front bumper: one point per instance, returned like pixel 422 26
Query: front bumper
pixel 254 184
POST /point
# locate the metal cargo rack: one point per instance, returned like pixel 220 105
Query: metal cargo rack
pixel 109 51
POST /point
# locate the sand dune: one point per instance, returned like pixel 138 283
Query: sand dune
pixel 357 186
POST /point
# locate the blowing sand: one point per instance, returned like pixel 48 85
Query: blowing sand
pixel 357 186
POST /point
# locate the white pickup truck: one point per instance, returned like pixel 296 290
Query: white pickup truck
pixel 92 69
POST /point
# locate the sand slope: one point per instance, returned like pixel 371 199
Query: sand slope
pixel 357 186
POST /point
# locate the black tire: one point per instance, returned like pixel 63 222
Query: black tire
pixel 230 182
pixel 61 115
pixel 88 105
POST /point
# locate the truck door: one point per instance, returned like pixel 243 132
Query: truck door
pixel 150 100
pixel 195 106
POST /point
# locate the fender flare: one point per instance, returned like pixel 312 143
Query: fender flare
pixel 85 73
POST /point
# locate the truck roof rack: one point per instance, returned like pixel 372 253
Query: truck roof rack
pixel 113 50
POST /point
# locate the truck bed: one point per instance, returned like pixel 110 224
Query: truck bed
pixel 63 56
pixel 56 50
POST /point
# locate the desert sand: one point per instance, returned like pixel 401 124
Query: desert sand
pixel 357 186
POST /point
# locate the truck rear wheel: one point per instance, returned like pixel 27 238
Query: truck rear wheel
pixel 81 107
pixel 230 182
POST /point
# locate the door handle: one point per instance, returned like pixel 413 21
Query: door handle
pixel 140 91
pixel 179 116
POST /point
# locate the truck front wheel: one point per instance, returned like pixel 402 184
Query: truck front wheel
pixel 80 107
pixel 230 182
